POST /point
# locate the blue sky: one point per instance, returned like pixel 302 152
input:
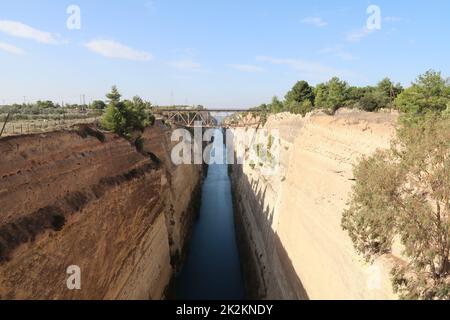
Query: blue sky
pixel 215 53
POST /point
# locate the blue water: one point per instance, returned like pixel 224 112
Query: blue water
pixel 212 269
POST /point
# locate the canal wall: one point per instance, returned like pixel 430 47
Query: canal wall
pixel 289 224
pixel 90 199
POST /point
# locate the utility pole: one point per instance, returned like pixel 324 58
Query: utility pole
pixel 82 101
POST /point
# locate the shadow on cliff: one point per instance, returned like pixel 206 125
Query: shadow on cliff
pixel 262 280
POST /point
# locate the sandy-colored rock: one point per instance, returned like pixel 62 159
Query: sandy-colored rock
pixel 291 222
pixel 67 198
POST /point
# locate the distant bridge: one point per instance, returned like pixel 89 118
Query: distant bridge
pixel 189 117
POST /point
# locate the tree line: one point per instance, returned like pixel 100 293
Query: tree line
pixel 429 92
pixel 49 107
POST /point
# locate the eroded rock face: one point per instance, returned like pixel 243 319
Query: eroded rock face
pixel 92 200
pixel 289 224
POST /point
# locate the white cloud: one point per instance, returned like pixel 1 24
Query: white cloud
pixel 358 35
pixel 314 21
pixel 10 48
pixel 21 30
pixel 339 52
pixel 246 68
pixel 310 70
pixel 186 65
pixel 113 49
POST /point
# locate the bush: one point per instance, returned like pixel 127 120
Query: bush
pixel 405 192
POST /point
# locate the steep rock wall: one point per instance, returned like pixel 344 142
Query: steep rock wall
pixel 289 224
pixel 90 199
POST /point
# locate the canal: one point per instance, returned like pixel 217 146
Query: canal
pixel 212 269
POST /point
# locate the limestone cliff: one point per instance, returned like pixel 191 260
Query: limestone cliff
pixel 289 224
pixel 91 199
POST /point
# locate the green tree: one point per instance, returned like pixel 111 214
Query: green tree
pixel 122 117
pixel 276 106
pixel 355 94
pixel 320 93
pixel 300 92
pixel 302 108
pixel 115 119
pixel 332 95
pixel 140 110
pixel 114 96
pixel 430 92
pixel 98 105
pixel 389 91
pixel 45 104
pixel 405 192
pixel 373 100
pixel 337 94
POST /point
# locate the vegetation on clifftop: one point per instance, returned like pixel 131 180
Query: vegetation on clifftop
pixel 430 92
pixel 404 193
pixel 123 117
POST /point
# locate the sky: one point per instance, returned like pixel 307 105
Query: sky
pixel 214 53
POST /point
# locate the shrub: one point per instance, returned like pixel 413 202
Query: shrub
pixel 405 192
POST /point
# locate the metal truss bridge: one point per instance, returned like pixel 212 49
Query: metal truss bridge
pixel 190 117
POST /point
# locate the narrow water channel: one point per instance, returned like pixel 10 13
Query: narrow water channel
pixel 212 269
